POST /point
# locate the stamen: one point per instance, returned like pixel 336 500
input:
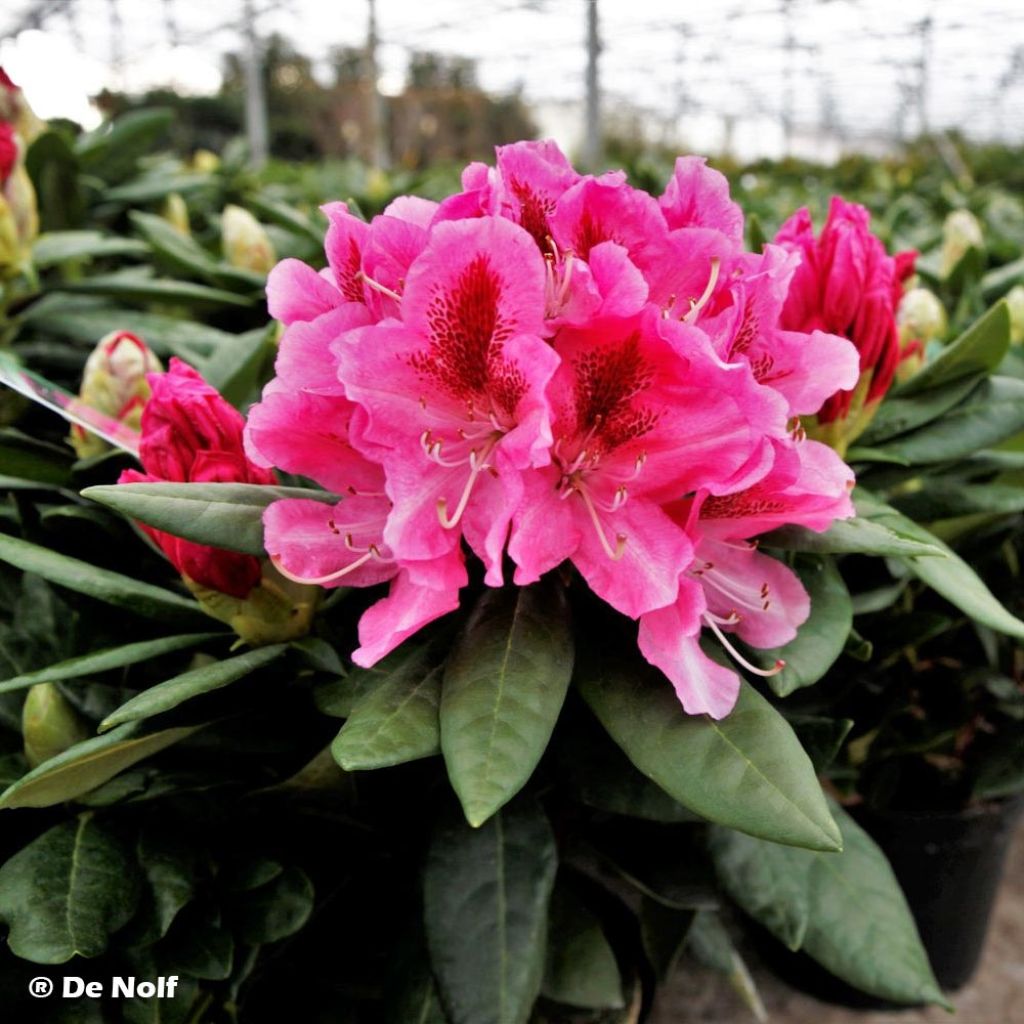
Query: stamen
pixel 377 287
pixel 697 306
pixel 765 672
pixel 566 278
pixel 478 463
pixel 616 553
pixel 320 581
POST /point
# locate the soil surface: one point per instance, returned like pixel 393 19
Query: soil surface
pixel 995 996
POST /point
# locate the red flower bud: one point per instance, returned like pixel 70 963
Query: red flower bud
pixel 848 285
pixel 192 435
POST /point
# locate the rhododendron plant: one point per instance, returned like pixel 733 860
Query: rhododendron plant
pixel 554 368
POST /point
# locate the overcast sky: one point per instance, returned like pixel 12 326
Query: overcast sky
pixel 691 65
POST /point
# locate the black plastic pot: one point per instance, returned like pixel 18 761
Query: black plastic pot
pixel 950 865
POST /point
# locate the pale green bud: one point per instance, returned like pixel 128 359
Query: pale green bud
pixel 960 232
pixel 175 212
pixel 276 610
pixel 49 724
pixel 1015 300
pixel 921 317
pixel 245 241
pixel 19 221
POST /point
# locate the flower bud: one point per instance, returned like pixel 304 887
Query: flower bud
pixel 19 217
pixel 274 611
pixel 190 434
pixel 960 232
pixel 245 241
pixel 921 315
pixel 14 108
pixel 921 318
pixel 175 212
pixel 205 162
pixel 1015 300
pixel 114 382
pixel 49 724
pixel 849 286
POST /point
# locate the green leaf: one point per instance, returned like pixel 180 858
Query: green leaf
pixel 102 584
pixel 821 737
pixel 55 247
pixel 169 694
pixel 53 168
pixel 67 892
pixel 756 237
pixel 980 349
pixel 410 992
pixel 394 723
pixel 285 216
pixel 947 499
pixel 151 188
pixel 228 516
pixel 168 864
pixel 86 765
pixel 199 944
pixel 486 895
pixel 276 910
pixel 992 412
pixel 951 576
pixel 184 255
pixel 134 287
pixel 821 639
pixel 504 684
pixel 747 771
pixel 110 657
pixel 846 910
pixel 898 415
pixel 411 662
pixel 601 776
pixel 711 946
pixel 998 282
pixel 30 459
pixel 663 932
pixel 319 655
pixel 112 149
pixel 581 968
pixel 86 320
pixel 857 536
pixel 235 366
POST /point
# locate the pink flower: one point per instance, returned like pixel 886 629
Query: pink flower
pixel 643 413
pixel 731 587
pixel 846 284
pixel 192 435
pixel 454 391
pixel 342 544
pixel 805 368
pixel 697 196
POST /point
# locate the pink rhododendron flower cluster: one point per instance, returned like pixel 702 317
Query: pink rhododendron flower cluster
pixel 553 368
